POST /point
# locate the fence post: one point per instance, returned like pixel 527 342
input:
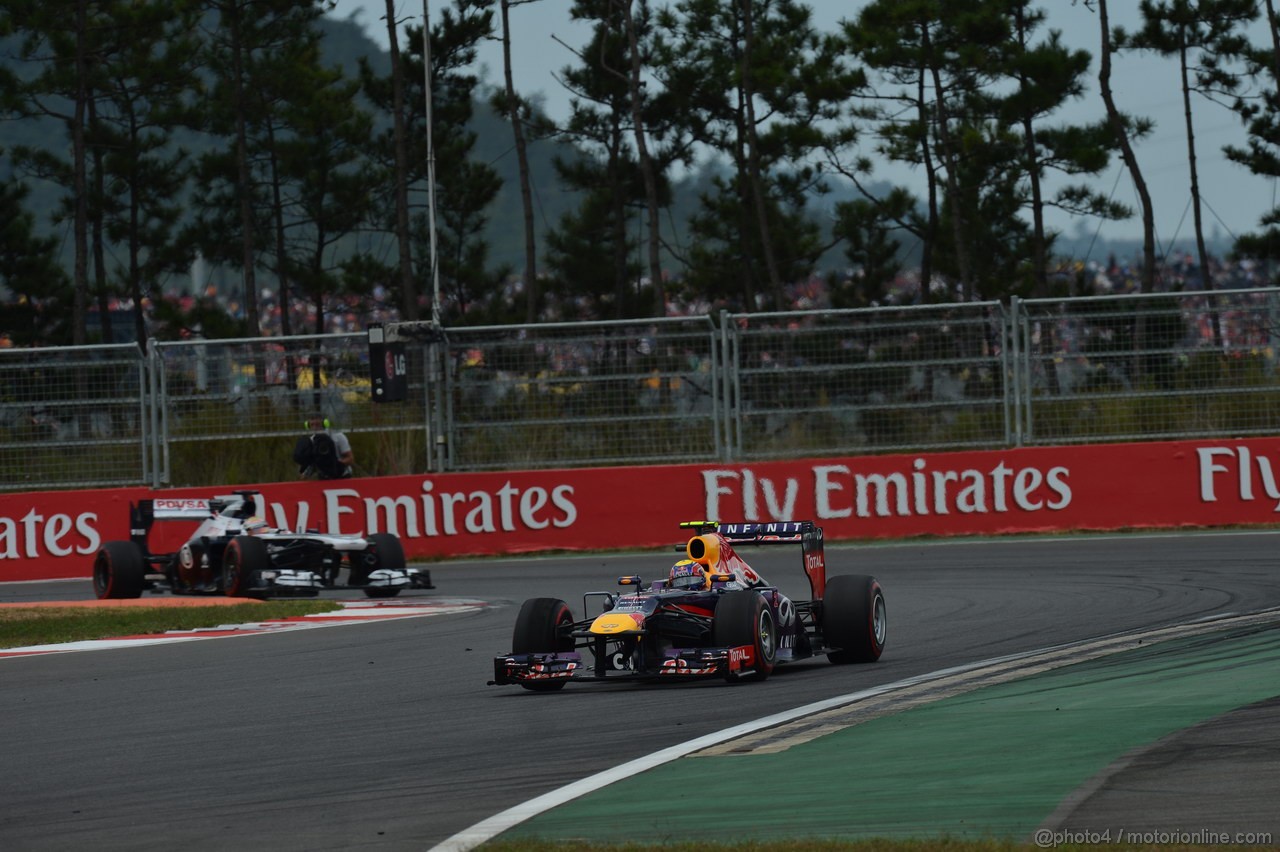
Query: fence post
pixel 439 398
pixel 153 376
pixel 728 357
pixel 1014 336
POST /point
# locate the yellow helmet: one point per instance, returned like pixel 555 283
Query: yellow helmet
pixel 688 574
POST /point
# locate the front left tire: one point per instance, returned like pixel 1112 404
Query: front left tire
pixel 243 558
pixel 539 630
pixel 389 554
pixel 744 618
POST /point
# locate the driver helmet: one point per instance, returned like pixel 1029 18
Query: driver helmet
pixel 687 574
pixel 255 526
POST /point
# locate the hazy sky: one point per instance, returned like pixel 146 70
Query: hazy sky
pixel 1147 86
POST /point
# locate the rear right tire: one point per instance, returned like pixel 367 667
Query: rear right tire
pixel 854 619
pixel 119 571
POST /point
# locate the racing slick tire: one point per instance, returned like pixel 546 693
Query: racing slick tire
pixel 854 619
pixel 244 557
pixel 119 571
pixel 743 618
pixel 390 555
pixel 537 631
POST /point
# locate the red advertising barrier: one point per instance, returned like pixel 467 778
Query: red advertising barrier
pixel 49 535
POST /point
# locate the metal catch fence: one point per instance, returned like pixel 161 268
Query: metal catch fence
pixel 735 387
pixel 867 380
pixel 1147 366
pixel 575 394
pixel 76 415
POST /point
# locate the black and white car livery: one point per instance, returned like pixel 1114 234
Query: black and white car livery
pixel 233 552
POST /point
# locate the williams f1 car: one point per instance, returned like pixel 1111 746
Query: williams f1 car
pixel 712 615
pixel 233 552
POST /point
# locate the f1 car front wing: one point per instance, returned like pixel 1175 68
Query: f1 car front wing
pixel 675 664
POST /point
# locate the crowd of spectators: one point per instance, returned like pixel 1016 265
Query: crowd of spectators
pixel 1180 271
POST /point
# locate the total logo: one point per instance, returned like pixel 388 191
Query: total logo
pixel 683 667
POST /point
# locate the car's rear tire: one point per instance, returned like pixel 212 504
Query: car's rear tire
pixel 538 631
pixel 854 619
pixel 743 618
pixel 119 571
pixel 242 559
pixel 390 554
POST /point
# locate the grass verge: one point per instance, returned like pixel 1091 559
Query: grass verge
pixel 23 626
pixel 876 845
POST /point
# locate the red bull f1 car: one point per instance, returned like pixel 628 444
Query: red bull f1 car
pixel 711 616
pixel 233 552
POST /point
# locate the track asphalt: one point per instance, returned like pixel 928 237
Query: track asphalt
pixel 1136 746
pixel 1170 741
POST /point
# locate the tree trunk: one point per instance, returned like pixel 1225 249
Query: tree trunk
pixel 753 159
pixel 1273 28
pixel 1131 162
pixel 408 292
pixel 244 183
pixel 931 189
pixel 1039 251
pixel 80 301
pixel 1126 150
pixel 282 274
pixel 135 229
pixel 96 239
pixel 951 164
pixel 654 241
pixel 522 160
pixel 1206 274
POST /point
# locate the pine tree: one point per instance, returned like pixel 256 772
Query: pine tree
pixel 59 45
pixel 1198 33
pixel 590 249
pixel 234 196
pixel 1046 76
pixel 465 188
pixel 516 110
pixel 147 91
pixel 1125 130
pixel 760 86
pixel 35 315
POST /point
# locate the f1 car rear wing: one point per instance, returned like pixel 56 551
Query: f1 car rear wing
pixel 776 532
pixel 179 508
pixel 805 533
pixel 144 514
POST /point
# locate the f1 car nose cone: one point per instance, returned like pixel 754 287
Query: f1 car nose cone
pixel 614 622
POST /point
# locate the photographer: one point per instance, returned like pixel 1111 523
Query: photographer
pixel 324 452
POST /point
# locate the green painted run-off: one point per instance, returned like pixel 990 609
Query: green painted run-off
pixel 994 762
